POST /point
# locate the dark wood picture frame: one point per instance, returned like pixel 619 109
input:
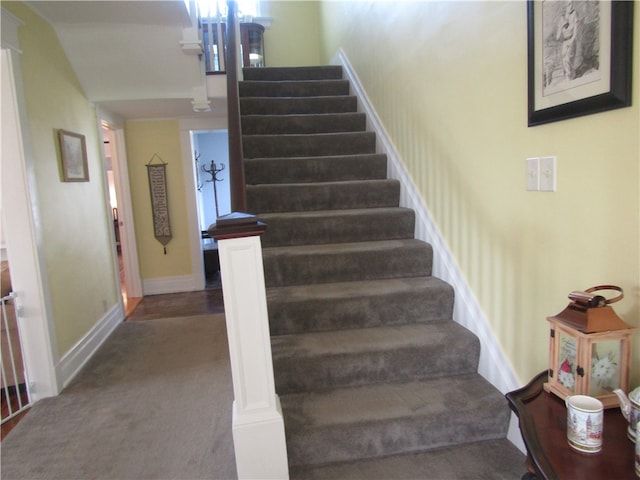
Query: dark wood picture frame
pixel 73 151
pixel 578 93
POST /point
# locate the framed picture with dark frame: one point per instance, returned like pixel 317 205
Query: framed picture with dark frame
pixel 73 150
pixel 579 56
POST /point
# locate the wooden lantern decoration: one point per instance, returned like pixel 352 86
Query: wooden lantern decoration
pixel 589 348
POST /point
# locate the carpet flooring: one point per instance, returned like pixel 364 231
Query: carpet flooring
pixel 153 403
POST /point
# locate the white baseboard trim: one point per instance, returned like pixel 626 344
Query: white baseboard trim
pixel 158 286
pixel 493 364
pixel 73 361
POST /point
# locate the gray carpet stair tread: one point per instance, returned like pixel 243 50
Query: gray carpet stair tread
pixel 385 419
pixel 345 305
pixel 425 336
pixel 297 197
pixel 322 360
pixel 297 105
pixel 303 124
pixel 338 226
pixel 293 88
pixel 312 72
pixel 311 264
pixel 486 460
pixel 308 144
pixel 315 169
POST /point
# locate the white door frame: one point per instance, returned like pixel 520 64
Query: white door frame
pixel 23 237
pixel 187 128
pixel 195 236
pixel 130 265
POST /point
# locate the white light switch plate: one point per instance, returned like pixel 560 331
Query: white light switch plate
pixel 533 176
pixel 548 174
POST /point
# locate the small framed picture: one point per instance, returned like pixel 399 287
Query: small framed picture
pixel 579 58
pixel 73 150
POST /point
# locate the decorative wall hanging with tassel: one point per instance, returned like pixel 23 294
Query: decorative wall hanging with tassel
pixel 159 204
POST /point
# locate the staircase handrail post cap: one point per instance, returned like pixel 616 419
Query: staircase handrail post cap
pixel 236 225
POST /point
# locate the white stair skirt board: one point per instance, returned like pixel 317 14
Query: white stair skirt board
pixel 493 364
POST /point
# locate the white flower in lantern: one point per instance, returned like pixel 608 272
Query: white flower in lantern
pixel 603 370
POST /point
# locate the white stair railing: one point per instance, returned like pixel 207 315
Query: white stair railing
pixel 213 39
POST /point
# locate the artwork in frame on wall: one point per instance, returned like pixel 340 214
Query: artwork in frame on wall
pixel 73 151
pixel 579 57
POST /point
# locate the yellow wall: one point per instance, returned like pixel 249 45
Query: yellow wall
pixel 293 39
pixel 74 217
pixel 449 82
pixel 144 140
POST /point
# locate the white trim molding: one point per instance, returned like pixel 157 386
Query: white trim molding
pixel 182 283
pixel 493 364
pixel 76 358
pixel 22 231
pixel 195 237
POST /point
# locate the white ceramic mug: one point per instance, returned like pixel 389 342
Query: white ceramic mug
pixel 585 417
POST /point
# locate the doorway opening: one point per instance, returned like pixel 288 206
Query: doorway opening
pixel 213 198
pixel 120 203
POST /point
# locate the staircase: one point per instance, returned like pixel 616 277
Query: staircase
pixel 375 378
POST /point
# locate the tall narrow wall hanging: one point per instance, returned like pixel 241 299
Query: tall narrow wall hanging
pixel 159 203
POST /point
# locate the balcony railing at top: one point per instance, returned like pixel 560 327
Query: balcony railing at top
pixel 214 35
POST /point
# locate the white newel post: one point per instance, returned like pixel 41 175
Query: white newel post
pixel 258 425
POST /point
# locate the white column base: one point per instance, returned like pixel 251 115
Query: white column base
pixel 260 445
pixel 258 424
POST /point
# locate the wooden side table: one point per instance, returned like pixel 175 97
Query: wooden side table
pixel 543 424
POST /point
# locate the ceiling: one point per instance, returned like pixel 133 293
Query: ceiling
pixel 128 57
pixel 143 12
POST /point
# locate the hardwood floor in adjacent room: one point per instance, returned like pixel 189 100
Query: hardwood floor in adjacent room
pixel 179 304
pixel 9 424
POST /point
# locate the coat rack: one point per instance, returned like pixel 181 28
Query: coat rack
pixel 213 170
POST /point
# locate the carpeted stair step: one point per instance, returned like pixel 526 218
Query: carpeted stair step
pixel 320 361
pixel 315 169
pixel 337 226
pixel 296 197
pixel 299 88
pixel 297 124
pixel 346 262
pixel 358 304
pixel 484 460
pixel 377 420
pixel 320 72
pixel 369 366
pixel 297 105
pixel 308 145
